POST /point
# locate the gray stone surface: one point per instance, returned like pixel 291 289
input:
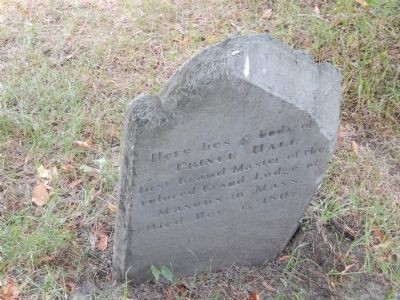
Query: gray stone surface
pixel 221 165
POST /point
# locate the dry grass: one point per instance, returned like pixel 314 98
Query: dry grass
pixel 67 71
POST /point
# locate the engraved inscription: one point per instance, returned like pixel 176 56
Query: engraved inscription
pixel 242 173
pixel 219 167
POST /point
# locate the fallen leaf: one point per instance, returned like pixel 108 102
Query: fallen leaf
pixel 10 291
pixel 46 259
pixel 42 172
pixel 316 10
pixel 363 3
pixel 47 173
pixel 72 185
pixel 282 258
pixel 66 166
pixel 100 236
pixel 23 10
pixel 70 286
pixel 86 144
pixel 102 241
pixel 112 208
pixel 378 236
pixel 267 14
pixel 181 289
pixel 354 145
pixel 377 233
pixel 168 293
pixel 253 295
pixel 268 287
pixel 40 195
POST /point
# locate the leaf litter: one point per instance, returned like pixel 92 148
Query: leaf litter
pixel 88 144
pixel 40 194
pixel 100 236
pixel 10 291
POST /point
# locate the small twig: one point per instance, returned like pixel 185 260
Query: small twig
pixel 344 229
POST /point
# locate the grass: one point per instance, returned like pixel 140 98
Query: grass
pixel 32 240
pixel 365 199
pixel 359 41
pixel 67 71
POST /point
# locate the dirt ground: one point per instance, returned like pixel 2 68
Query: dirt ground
pixel 304 276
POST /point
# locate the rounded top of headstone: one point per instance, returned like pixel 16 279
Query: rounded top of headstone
pixel 265 62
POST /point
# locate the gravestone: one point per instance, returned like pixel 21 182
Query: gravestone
pixel 220 166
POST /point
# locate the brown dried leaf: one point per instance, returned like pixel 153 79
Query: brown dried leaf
pixel 101 240
pixel 181 289
pixel 112 208
pixel 316 10
pixel 22 9
pixel 168 293
pixel 378 236
pixel 44 259
pixel 66 166
pixel 85 145
pixel 267 14
pixel 282 258
pixel 70 286
pixel 40 195
pixel 10 291
pixel 253 295
pixel 363 3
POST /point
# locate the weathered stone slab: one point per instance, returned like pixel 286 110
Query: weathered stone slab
pixel 221 165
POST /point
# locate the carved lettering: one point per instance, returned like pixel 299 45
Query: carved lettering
pixel 282 130
pixel 217 186
pixel 216 145
pixel 263 148
pixel 160 156
pixel 223 171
